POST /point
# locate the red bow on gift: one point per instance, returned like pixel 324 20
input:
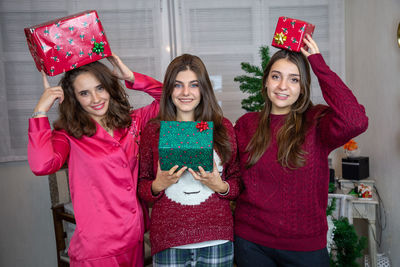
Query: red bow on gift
pixel 202 126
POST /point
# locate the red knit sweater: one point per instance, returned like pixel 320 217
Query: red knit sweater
pixel 286 209
pixel 173 224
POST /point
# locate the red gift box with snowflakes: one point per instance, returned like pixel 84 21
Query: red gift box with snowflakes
pixel 289 33
pixel 66 43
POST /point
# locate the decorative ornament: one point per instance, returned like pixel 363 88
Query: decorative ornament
pixel 364 191
pixel 351 149
pixel 280 38
pixel 202 126
pixel 98 48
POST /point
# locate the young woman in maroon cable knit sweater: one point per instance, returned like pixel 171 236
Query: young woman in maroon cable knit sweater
pixel 280 217
pixel 191 220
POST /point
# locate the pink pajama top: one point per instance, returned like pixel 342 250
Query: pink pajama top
pixel 103 174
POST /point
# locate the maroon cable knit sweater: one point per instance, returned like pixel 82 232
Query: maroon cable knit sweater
pixel 286 209
pixel 173 224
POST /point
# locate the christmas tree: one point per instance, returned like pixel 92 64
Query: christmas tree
pixel 252 84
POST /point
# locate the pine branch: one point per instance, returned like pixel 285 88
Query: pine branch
pixel 252 83
pixel 264 53
pixel 247 67
pixel 253 103
pixel 348 246
pixel 250 88
pixel 247 79
pixel 331 208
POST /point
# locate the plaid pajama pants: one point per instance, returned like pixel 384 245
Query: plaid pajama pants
pixel 216 256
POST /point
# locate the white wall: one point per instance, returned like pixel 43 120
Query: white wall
pixel 373 73
pixel 26 224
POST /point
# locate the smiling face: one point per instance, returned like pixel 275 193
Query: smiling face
pixel 91 95
pixel 186 95
pixel 283 86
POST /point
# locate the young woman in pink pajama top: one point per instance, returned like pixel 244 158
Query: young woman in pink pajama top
pixel 98 135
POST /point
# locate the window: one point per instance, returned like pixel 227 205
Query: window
pixel 133 29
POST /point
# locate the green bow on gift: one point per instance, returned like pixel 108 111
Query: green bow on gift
pixel 98 47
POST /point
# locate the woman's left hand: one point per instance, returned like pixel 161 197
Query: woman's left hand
pixel 120 69
pixel 211 179
pixel 312 46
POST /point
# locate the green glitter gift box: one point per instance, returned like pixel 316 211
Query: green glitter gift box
pixel 186 143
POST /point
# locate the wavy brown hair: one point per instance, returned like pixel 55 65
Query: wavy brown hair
pixel 75 120
pixel 291 135
pixel 208 108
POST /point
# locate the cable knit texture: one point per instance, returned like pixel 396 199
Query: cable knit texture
pixel 173 224
pixel 286 209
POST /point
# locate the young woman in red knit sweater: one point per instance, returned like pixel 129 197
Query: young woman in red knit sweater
pixel 191 220
pixel 280 217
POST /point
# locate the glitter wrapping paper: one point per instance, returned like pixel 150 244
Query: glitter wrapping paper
pixel 186 143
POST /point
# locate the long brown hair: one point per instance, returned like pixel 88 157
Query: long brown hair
pixel 291 135
pixel 208 108
pixel 75 120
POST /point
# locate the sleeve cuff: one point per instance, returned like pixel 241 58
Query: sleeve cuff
pixel 39 124
pixel 139 83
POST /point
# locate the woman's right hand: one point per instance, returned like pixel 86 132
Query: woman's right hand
pixel 164 179
pixel 49 96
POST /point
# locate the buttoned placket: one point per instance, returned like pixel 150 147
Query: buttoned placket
pixel 124 165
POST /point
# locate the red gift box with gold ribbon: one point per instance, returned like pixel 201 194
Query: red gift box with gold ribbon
pixel 66 43
pixel 289 33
